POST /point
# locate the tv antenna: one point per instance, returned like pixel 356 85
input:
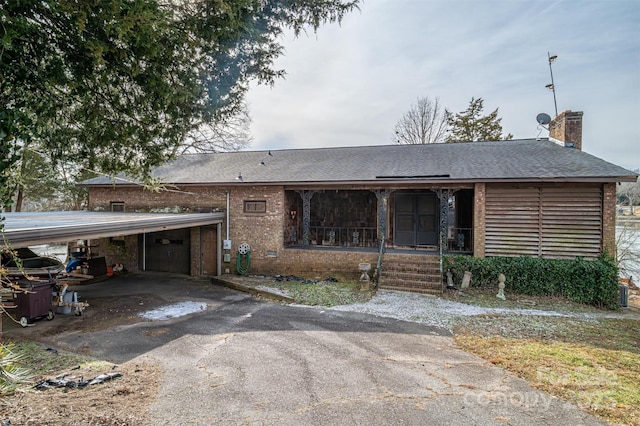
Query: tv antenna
pixel 552 86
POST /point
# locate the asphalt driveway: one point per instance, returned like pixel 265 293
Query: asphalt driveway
pixel 247 361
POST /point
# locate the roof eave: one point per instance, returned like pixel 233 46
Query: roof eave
pixel 388 181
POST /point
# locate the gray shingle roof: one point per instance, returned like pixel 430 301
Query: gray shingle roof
pixel 525 159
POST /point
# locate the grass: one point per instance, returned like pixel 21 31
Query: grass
pixel 40 361
pixel 593 363
pixel 320 293
pixel 603 382
pixel 590 361
pixel 487 298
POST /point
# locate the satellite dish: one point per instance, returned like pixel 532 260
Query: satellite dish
pixel 543 118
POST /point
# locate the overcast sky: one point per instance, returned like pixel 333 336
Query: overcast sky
pixel 349 84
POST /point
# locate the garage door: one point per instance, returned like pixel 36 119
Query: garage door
pixel 168 251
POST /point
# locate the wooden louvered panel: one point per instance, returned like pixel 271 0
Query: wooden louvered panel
pixel 586 253
pixel 571 222
pixel 511 221
pixel 545 220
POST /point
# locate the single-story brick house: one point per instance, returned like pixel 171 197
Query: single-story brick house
pixel 319 212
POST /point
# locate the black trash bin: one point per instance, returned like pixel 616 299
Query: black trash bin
pixel 35 302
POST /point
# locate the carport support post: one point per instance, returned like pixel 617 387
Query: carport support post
pixel 306 215
pixel 219 249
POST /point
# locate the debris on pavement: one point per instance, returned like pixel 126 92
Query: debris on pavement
pixel 67 381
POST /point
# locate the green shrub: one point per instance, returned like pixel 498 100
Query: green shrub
pixel 590 282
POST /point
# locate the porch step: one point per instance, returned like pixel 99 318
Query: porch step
pixel 410 272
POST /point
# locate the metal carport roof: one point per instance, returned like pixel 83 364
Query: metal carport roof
pixel 26 229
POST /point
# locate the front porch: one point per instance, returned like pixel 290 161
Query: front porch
pixel 417 227
pixel 434 220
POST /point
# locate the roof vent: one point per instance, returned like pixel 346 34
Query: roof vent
pixel 569 144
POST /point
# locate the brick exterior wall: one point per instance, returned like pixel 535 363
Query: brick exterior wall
pixel 318 263
pixel 264 232
pixel 123 250
pixel 479 219
pixel 609 218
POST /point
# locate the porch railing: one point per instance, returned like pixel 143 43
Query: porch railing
pixel 344 236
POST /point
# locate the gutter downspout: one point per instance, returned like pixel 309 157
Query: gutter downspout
pixel 227 235
pixel 144 251
pixel 219 245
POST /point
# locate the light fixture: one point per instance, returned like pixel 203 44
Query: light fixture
pixel 293 214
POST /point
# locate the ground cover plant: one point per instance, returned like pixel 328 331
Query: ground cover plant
pixel 323 292
pixel 94 404
pixel 592 282
pixel 584 357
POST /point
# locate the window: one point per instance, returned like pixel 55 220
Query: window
pixel 116 206
pixel 255 206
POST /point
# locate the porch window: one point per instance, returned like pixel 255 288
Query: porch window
pixel 340 218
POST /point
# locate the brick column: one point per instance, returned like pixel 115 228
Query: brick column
pixel 196 252
pixel 609 218
pixel 479 219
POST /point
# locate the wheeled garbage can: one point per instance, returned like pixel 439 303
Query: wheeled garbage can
pixel 34 301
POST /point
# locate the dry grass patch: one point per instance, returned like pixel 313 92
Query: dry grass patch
pixel 601 381
pixel 329 292
pixel 122 401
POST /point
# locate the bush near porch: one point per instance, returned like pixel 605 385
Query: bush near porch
pixel 590 282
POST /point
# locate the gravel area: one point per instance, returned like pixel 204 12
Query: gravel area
pixel 432 310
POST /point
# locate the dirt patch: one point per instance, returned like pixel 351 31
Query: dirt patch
pixel 634 297
pixel 121 401
pixel 101 314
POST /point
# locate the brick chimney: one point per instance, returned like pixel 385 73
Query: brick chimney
pixel 567 128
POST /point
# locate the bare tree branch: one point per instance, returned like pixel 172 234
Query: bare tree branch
pixel 424 123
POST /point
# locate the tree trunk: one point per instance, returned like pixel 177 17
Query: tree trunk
pixel 19 199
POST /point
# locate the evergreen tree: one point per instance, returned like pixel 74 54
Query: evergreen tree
pixel 120 84
pixel 470 125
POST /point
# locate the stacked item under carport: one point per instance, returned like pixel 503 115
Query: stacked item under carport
pixel 32 300
pixel 67 301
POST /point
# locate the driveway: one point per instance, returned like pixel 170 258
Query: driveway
pixel 246 361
